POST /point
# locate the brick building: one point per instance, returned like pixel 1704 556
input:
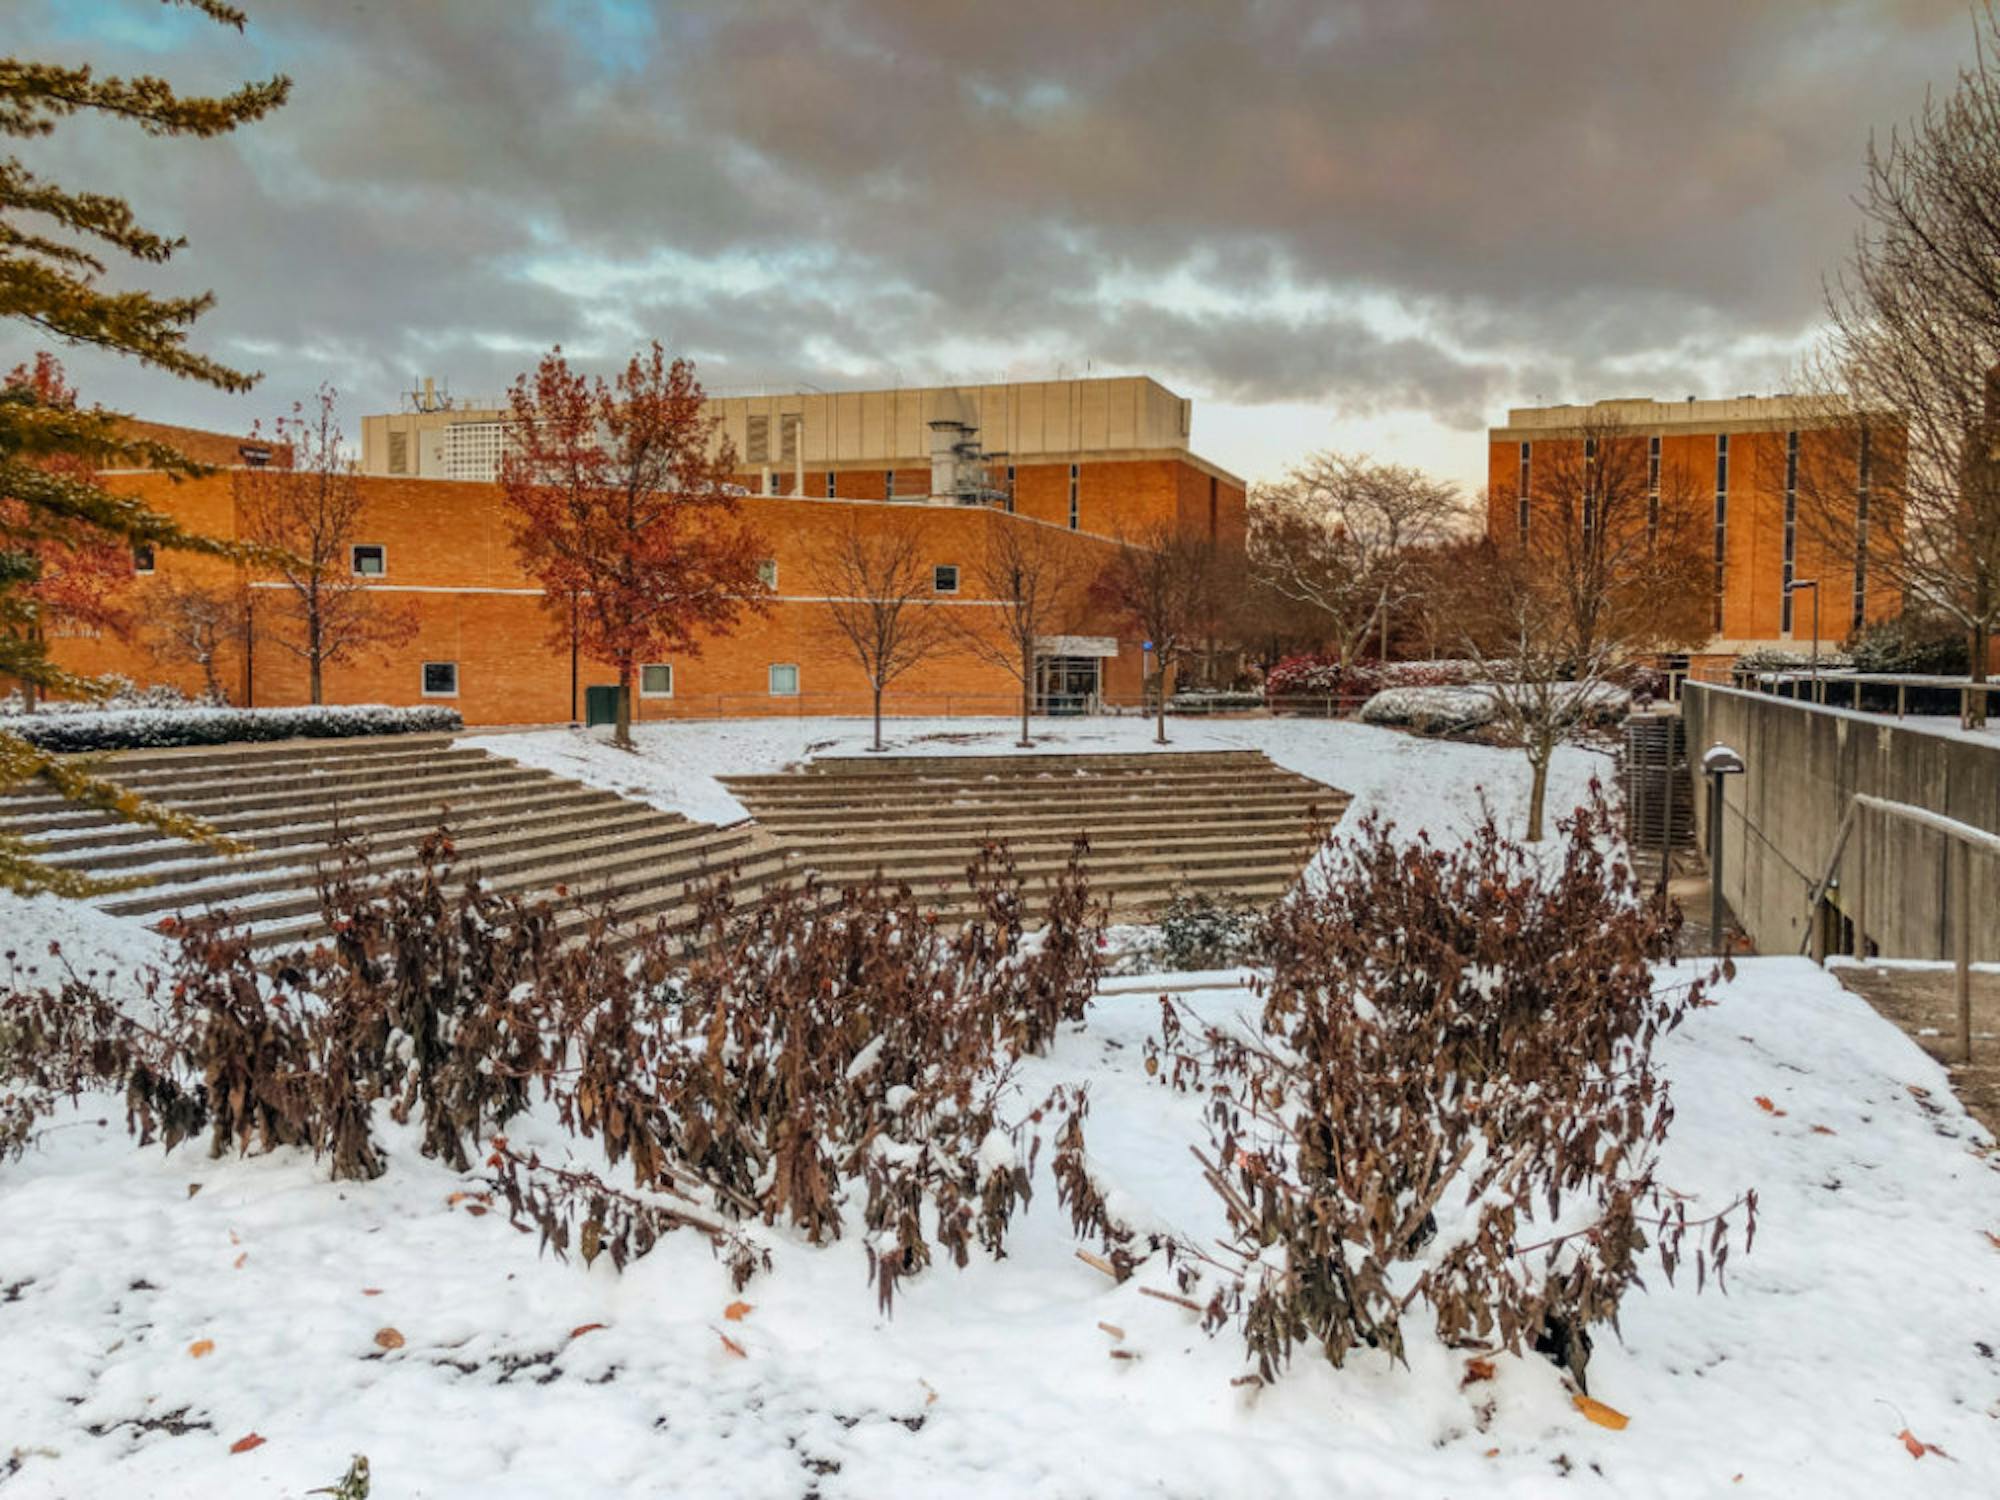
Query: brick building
pixel 1095 460
pixel 1745 473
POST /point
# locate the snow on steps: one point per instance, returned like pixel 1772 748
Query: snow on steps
pixel 523 830
pixel 1227 822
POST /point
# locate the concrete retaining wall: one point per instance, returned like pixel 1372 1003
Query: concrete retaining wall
pixel 1803 763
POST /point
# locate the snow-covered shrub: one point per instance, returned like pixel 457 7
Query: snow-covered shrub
pixel 1442 672
pixel 1924 645
pixel 1452 1101
pixel 124 696
pixel 835 1065
pixel 1320 676
pixel 165 728
pixel 1199 930
pixel 1213 700
pixel 1777 659
pixel 1432 710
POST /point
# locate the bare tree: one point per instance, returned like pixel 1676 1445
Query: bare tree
pixel 879 597
pixel 1614 533
pixel 1909 477
pixel 1158 583
pixel 1339 535
pixel 309 516
pixel 196 624
pixel 1035 586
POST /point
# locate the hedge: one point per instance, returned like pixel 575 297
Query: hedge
pixel 153 729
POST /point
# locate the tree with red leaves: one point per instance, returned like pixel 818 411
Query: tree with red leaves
pixel 624 510
pixel 81 572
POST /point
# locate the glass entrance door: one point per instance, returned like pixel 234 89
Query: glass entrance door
pixel 1068 685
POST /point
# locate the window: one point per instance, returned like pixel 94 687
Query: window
pixel 1212 507
pixel 757 447
pixel 1075 513
pixel 944 578
pixel 656 680
pixel 829 485
pixel 1791 531
pixel 1864 482
pixel 788 437
pixel 399 453
pixel 1721 520
pixel 784 680
pixel 767 572
pixel 1589 486
pixel 888 484
pixel 257 455
pixel 142 558
pixel 1521 494
pixel 369 560
pixel 440 679
pixel 1653 491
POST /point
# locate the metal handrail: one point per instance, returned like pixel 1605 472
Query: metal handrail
pixel 1963 839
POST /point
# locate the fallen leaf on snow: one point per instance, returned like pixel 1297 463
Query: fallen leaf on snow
pixel 736 1311
pixel 1767 1106
pixel 388 1338
pixel 193 1188
pixel 201 1348
pixel 1823 1130
pixel 1918 1447
pixel 930 1395
pixel 1492 1452
pixel 371 1291
pixel 1995 1238
pixel 731 1346
pixel 1602 1415
pixel 245 1443
pixel 582 1328
pixel 240 1259
pixel 1476 1369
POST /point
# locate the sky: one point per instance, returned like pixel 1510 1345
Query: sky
pixel 1371 225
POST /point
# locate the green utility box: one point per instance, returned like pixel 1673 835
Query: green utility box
pixel 600 705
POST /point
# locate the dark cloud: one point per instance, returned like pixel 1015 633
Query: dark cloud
pixel 1379 204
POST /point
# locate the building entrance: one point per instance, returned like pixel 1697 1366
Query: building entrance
pixel 1068 685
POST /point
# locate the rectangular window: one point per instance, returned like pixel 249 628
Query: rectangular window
pixel 1010 489
pixel 1721 520
pixel 399 453
pixel 784 680
pixel 767 572
pixel 1521 493
pixel 440 679
pixel 788 437
pixel 1075 512
pixel 1589 486
pixel 829 485
pixel 1789 570
pixel 369 561
pixel 888 484
pixel 757 440
pixel 656 680
pixel 944 578
pixel 142 558
pixel 1212 507
pixel 1864 480
pixel 1653 491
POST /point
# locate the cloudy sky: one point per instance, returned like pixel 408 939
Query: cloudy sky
pixel 1372 224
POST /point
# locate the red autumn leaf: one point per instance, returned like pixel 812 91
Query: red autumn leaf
pixel 245 1443
pixel 1918 1447
pixel 371 1291
pixel 201 1348
pixel 732 1346
pixel 736 1311
pixel 1476 1369
pixel 582 1328
pixel 1767 1106
pixel 1822 1130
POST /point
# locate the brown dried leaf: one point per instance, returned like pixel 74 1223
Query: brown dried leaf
pixel 201 1348
pixel 245 1443
pixel 388 1338
pixel 736 1311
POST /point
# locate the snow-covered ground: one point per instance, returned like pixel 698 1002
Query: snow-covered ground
pixel 1870 1304
pixel 1420 784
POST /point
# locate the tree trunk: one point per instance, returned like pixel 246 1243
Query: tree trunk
pixel 878 715
pixel 315 670
pixel 1981 647
pixel 1027 692
pixel 621 733
pixel 1538 796
pixel 1160 703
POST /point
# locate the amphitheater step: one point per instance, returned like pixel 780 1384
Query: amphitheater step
pixel 1229 822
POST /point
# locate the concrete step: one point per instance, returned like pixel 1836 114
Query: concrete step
pixel 356 813
pixel 178 790
pixel 881 788
pixel 1279 833
pixel 224 807
pixel 118 763
pixel 1163 814
pixel 1044 865
pixel 905 765
pixel 565 800
pixel 225 882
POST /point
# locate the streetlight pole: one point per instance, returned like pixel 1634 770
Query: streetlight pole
pixel 1717 762
pixel 1792 588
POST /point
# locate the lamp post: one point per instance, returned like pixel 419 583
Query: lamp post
pixel 1792 588
pixel 1717 762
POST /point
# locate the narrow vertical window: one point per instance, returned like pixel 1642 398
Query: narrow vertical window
pixel 1075 513
pixel 1721 520
pixel 1652 491
pixel 1521 517
pixel 830 494
pixel 1863 481
pixel 1589 486
pixel 888 484
pixel 1791 531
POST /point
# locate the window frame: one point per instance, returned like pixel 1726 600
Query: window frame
pixel 424 680
pixel 771 680
pixel 937 569
pixel 151 558
pixel 355 549
pixel 662 666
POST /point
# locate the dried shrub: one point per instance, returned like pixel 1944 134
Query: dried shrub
pixel 1451 1099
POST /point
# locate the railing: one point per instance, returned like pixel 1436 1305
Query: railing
pixel 973 706
pixel 1870 692
pixel 1961 841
